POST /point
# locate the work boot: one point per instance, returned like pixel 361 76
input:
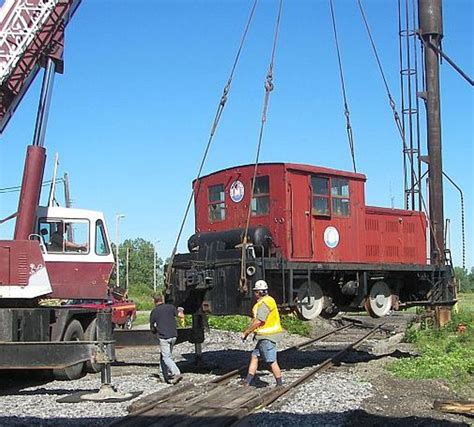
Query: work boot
pixel 176 379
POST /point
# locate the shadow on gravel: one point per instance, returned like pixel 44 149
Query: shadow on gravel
pixel 139 364
pixel 356 418
pixel 60 421
pixel 364 419
pixel 49 391
pixel 223 361
pixel 11 382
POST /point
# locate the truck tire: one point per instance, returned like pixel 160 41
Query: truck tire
pixel 91 335
pixel 128 323
pixel 74 332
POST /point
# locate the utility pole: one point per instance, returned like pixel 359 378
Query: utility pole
pixel 431 32
pixel 67 201
pixel 155 255
pixel 126 269
pixel 118 217
pixel 67 194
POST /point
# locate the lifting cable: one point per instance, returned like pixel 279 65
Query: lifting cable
pixel 377 58
pixel 268 89
pixel 396 116
pixel 343 86
pixel 217 117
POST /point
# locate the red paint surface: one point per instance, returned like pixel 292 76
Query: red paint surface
pixel 368 235
pixel 16 259
pixel 86 280
pixel 30 192
pixel 121 309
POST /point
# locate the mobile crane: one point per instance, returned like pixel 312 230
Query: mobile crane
pixel 41 260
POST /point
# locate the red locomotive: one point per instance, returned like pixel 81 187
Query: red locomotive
pixel 314 240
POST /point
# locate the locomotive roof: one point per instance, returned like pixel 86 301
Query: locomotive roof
pixel 297 167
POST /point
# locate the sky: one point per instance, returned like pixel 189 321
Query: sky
pixel 131 115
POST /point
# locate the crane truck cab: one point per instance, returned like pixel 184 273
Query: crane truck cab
pixel 76 250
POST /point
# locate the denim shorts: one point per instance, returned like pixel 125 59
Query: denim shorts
pixel 265 349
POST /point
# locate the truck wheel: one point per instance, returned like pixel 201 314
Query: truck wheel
pixel 128 323
pixel 310 301
pixel 379 301
pixel 74 332
pixel 91 335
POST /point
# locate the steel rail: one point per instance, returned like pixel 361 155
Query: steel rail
pixel 235 372
pixel 329 362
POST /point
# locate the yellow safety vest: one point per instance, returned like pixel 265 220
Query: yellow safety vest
pixel 272 324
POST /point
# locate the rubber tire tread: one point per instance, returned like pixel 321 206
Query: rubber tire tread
pixel 90 334
pixel 74 330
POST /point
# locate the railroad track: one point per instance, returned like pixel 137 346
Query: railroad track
pixel 223 402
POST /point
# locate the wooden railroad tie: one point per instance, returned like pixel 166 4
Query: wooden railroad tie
pixel 463 407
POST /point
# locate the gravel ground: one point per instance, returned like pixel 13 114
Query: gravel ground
pixel 323 401
pixel 356 394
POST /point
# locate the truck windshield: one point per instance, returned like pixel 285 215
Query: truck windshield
pixel 65 236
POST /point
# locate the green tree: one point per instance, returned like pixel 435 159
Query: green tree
pixel 465 279
pixel 140 264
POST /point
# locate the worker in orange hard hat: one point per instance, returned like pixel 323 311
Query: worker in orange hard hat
pixel 268 331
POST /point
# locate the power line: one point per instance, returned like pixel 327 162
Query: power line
pixel 17 188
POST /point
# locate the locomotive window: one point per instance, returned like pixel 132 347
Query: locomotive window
pixel 320 195
pixel 340 197
pixel 261 196
pixel 216 203
pixel 101 244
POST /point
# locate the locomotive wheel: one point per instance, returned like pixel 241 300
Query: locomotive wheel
pixel 91 335
pixel 310 301
pixel 74 332
pixel 379 301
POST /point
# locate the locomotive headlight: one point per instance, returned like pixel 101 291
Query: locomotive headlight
pixel 251 270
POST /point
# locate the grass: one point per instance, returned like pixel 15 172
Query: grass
pixel 445 353
pixel 239 323
pixel 142 296
pixel 466 302
pixel 142 319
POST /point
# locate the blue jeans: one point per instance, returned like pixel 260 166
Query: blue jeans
pixel 265 349
pixel 168 367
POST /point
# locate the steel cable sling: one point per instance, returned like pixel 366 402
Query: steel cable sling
pixel 343 87
pixel 217 117
pixel 268 89
pixel 396 116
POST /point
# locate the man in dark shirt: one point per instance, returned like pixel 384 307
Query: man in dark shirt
pixel 163 324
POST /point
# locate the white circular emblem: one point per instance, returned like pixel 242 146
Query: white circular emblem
pixel 237 191
pixel 331 237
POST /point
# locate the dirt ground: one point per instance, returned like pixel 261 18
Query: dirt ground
pixel 402 402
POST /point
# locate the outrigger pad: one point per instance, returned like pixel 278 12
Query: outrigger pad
pixel 106 394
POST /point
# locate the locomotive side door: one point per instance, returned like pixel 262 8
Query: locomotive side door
pixel 300 205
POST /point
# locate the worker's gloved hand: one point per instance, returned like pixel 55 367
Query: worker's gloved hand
pixel 244 337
